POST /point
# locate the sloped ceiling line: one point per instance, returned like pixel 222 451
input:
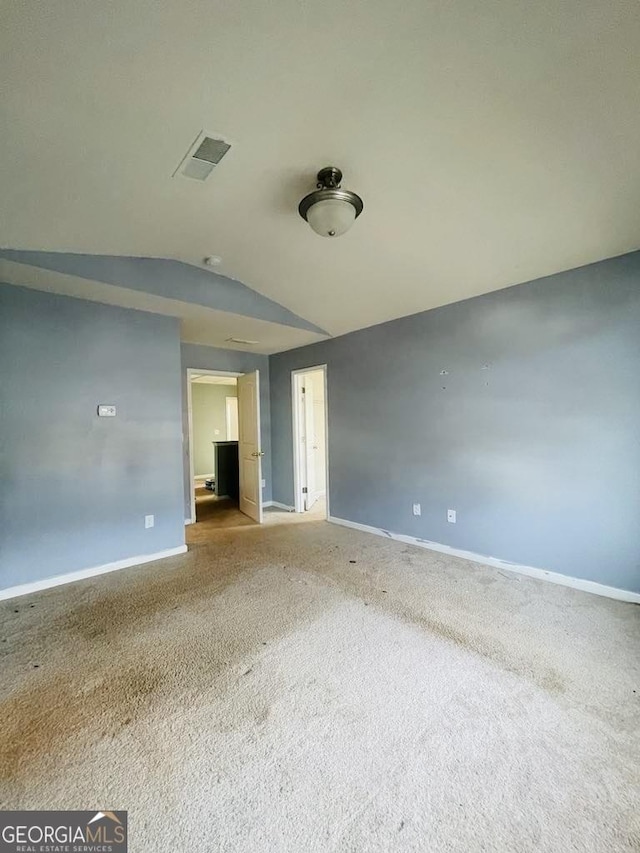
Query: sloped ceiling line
pixel 168 278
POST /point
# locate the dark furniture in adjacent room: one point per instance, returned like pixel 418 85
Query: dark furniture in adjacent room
pixel 226 468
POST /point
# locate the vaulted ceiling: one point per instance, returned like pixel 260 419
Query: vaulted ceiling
pixel 213 310
pixel 492 143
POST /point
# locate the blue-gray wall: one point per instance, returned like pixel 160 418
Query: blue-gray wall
pixel 532 434
pixel 232 361
pixel 75 488
pixel 168 278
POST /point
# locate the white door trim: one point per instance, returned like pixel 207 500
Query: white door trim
pixel 228 412
pixel 296 376
pixel 194 371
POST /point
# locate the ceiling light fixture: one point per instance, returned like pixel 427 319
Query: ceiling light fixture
pixel 329 210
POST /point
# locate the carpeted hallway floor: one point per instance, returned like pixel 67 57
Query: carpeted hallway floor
pixel 303 687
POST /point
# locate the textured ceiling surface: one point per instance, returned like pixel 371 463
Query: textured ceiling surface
pixel 492 142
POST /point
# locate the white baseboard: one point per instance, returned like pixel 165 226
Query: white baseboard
pixel 71 577
pixel 278 505
pixel 189 521
pixel 540 574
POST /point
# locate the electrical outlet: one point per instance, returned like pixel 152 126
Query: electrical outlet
pixel 417 510
pixel 451 516
pixel 149 521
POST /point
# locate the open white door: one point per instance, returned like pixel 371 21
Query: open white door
pixel 308 438
pixel 249 452
pixel 309 411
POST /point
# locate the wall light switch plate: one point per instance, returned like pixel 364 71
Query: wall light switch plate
pixel 263 483
pixel 106 411
pixel 451 516
pixel 149 521
pixel 417 510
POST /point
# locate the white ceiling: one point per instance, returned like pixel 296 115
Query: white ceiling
pixel 492 142
pixel 211 379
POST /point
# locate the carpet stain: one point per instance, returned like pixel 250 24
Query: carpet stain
pixel 360 583
pixel 130 606
pixel 113 683
pixel 38 720
pixel 141 638
pixel 241 664
pixel 546 678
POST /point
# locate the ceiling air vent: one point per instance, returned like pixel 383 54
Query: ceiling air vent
pixel 202 158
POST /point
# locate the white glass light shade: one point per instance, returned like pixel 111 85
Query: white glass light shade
pixel 331 217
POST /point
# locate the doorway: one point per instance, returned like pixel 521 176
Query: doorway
pixel 223 411
pixel 310 445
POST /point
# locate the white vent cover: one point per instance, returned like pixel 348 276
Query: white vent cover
pixel 203 156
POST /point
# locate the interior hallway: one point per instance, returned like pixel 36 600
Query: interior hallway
pixel 217 512
pixel 213 512
pixel 301 686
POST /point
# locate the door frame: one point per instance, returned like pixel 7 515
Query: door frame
pixel 227 414
pixel 296 376
pixel 194 371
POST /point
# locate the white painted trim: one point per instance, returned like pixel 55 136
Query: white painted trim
pixel 82 574
pixel 194 371
pixel 192 488
pixel 278 505
pixel 228 411
pixel 295 417
pixel 495 562
pixel 188 521
pixel 326 441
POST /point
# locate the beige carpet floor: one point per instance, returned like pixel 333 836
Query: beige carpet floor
pixel 302 687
